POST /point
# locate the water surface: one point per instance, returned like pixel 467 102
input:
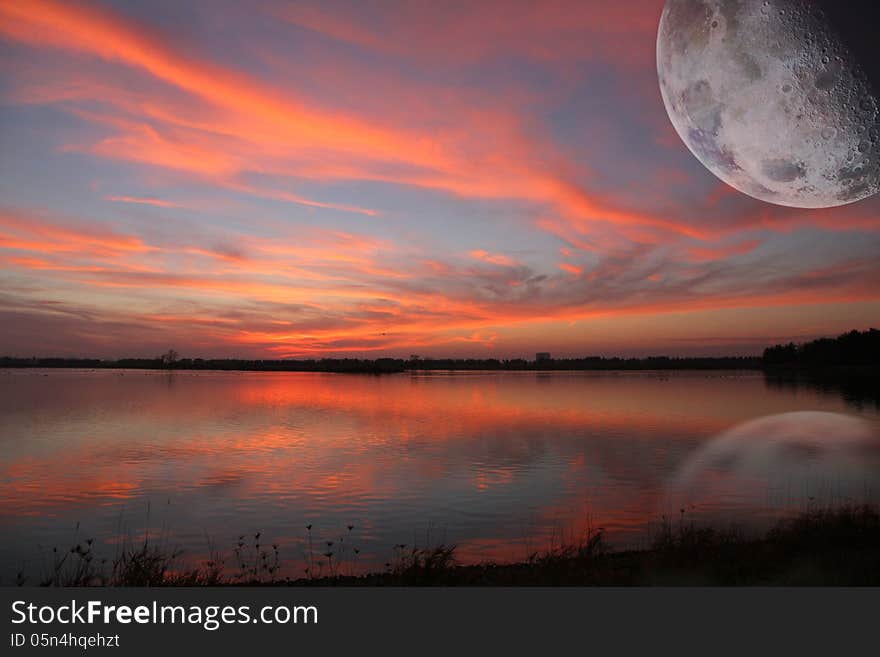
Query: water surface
pixel 500 464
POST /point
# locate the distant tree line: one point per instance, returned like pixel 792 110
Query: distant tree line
pixel 853 349
pixel 172 361
pixel 354 365
pixel 586 363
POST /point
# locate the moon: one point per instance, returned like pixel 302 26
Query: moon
pixel 782 461
pixel 777 98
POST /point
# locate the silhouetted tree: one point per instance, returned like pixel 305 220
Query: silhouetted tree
pixel 853 349
pixel 169 358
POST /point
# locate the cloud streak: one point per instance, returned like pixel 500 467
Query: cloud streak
pixel 359 194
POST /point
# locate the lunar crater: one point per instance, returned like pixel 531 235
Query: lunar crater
pixel 782 170
pixel 774 97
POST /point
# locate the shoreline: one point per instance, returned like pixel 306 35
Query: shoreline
pixel 396 366
pixel 854 353
pixel 818 547
pixel 834 546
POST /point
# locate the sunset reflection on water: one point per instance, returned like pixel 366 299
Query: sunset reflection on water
pixel 499 464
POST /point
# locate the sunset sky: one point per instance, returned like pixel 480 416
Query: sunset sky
pixel 307 179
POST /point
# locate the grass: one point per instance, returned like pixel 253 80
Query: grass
pixel 819 547
pixel 146 563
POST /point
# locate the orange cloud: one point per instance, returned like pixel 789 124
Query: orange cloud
pixel 493 258
pixel 259 128
pixel 157 202
pixel 29 233
pixel 273 285
pixel 446 36
pixel 724 252
pixel 333 292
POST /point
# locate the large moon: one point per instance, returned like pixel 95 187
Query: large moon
pixel 780 463
pixel 778 98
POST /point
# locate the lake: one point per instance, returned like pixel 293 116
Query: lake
pixel 498 463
